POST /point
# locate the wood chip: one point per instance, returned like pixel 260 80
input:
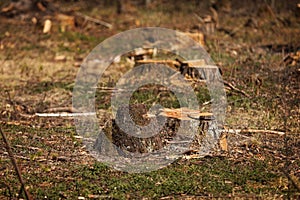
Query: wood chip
pixel 60 58
pixel 47 26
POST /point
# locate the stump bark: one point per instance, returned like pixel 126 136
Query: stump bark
pixel 165 136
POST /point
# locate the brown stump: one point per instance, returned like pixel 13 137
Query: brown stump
pixel 138 113
pixel 137 144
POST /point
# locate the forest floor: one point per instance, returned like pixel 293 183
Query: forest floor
pixel 257 50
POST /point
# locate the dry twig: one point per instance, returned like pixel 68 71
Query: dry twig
pixel 64 114
pixel 62 109
pixel 97 21
pixel 252 131
pixel 235 89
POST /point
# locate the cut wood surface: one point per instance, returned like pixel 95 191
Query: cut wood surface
pixel 182 113
pixel 195 63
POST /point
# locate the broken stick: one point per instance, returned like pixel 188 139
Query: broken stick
pixel 235 89
pixel 13 160
pixel 97 21
pixel 253 131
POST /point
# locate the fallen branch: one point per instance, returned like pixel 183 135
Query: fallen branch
pixel 64 114
pixel 145 88
pixel 97 21
pixel 234 131
pixel 13 160
pixel 111 89
pixel 19 157
pixel 25 147
pixel 62 109
pixel 199 18
pixel 235 89
pixel 17 123
pixel 29 116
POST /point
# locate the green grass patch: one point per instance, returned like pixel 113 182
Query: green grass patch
pixel 45 86
pixel 207 176
pixel 215 177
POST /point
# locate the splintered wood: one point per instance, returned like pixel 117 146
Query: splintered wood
pixel 184 114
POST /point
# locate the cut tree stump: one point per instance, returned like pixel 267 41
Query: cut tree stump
pixel 174 118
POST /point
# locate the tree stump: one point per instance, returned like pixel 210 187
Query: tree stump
pixel 164 137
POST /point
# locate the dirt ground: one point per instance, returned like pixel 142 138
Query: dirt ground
pixel 256 44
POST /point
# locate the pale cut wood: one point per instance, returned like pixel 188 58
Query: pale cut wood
pixel 47 26
pixel 195 63
pixel 64 114
pixel 234 131
pixel 182 113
